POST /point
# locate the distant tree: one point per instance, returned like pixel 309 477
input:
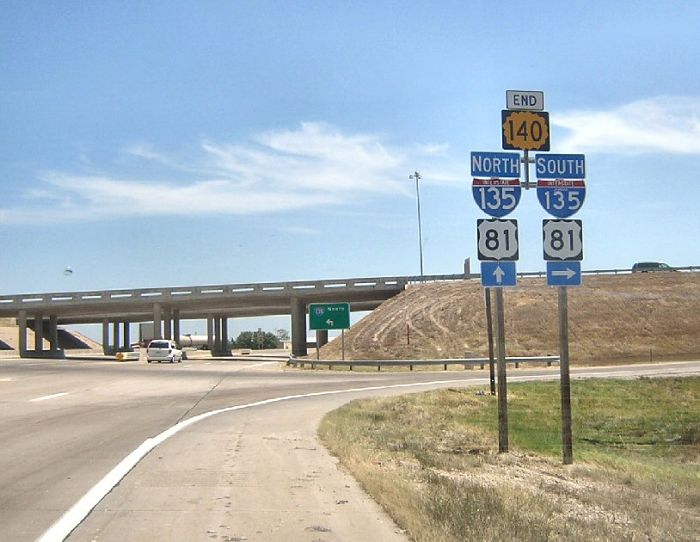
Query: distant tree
pixel 256 340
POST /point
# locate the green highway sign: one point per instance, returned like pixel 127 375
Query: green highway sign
pixel 329 316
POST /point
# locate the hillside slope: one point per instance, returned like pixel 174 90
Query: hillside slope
pixel 611 317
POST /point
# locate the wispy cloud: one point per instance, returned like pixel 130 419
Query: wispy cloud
pixel 656 125
pixel 313 165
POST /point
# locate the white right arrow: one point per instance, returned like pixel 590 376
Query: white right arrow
pixel 568 273
pixel 499 274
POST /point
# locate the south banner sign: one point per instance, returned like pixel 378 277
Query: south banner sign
pixel 560 166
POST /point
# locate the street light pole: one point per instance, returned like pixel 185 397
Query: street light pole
pixel 417 177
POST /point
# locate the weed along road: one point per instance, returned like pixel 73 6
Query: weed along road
pixel 104 450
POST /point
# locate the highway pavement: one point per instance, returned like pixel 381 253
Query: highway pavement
pixel 203 450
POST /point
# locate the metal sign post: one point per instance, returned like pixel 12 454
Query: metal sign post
pixel 489 330
pixel 567 446
pixel 502 384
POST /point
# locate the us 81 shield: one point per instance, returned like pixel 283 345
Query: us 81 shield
pixel 562 240
pixel 497 239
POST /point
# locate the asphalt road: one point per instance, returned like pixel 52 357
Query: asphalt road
pixel 251 472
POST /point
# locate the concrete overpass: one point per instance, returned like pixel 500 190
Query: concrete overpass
pixel 166 307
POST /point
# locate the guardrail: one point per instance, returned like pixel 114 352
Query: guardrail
pixel 417 279
pixel 465 362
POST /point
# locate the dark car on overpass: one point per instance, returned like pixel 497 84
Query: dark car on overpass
pixel 649 267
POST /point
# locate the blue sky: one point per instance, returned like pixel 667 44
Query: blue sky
pixel 215 142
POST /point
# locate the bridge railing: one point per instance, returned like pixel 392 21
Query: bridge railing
pixel 201 292
pixel 33 300
pixel 417 279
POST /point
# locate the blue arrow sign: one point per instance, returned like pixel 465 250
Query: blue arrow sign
pixel 502 165
pixel 563 273
pixel 498 274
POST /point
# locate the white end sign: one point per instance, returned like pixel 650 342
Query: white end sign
pixel 525 100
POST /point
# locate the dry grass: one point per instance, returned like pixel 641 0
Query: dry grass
pixel 626 318
pixel 430 460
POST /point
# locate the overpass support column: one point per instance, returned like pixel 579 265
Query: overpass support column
pixel 167 324
pixel 217 335
pixel 115 336
pixel 105 337
pixel 210 333
pixel 39 332
pixel 298 310
pixel 127 338
pixel 157 321
pixel 22 325
pixel 53 333
pixel 322 337
pixel 225 347
pixel 176 326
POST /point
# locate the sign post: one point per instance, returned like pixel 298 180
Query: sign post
pixel 489 330
pixel 564 381
pixel 501 364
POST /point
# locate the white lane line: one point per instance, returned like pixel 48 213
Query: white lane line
pixel 47 397
pixel 6 379
pixel 78 512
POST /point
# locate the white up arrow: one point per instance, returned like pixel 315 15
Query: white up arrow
pixel 499 274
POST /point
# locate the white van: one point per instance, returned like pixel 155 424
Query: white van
pixel 163 350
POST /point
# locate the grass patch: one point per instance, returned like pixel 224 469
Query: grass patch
pixel 430 459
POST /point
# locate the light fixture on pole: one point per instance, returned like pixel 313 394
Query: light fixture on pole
pixel 417 177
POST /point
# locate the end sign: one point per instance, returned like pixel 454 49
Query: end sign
pixel 531 100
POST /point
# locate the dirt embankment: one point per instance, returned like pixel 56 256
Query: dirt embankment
pixel 637 317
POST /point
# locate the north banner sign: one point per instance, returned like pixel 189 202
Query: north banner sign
pixel 525 130
pixel 329 316
pixel 503 165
